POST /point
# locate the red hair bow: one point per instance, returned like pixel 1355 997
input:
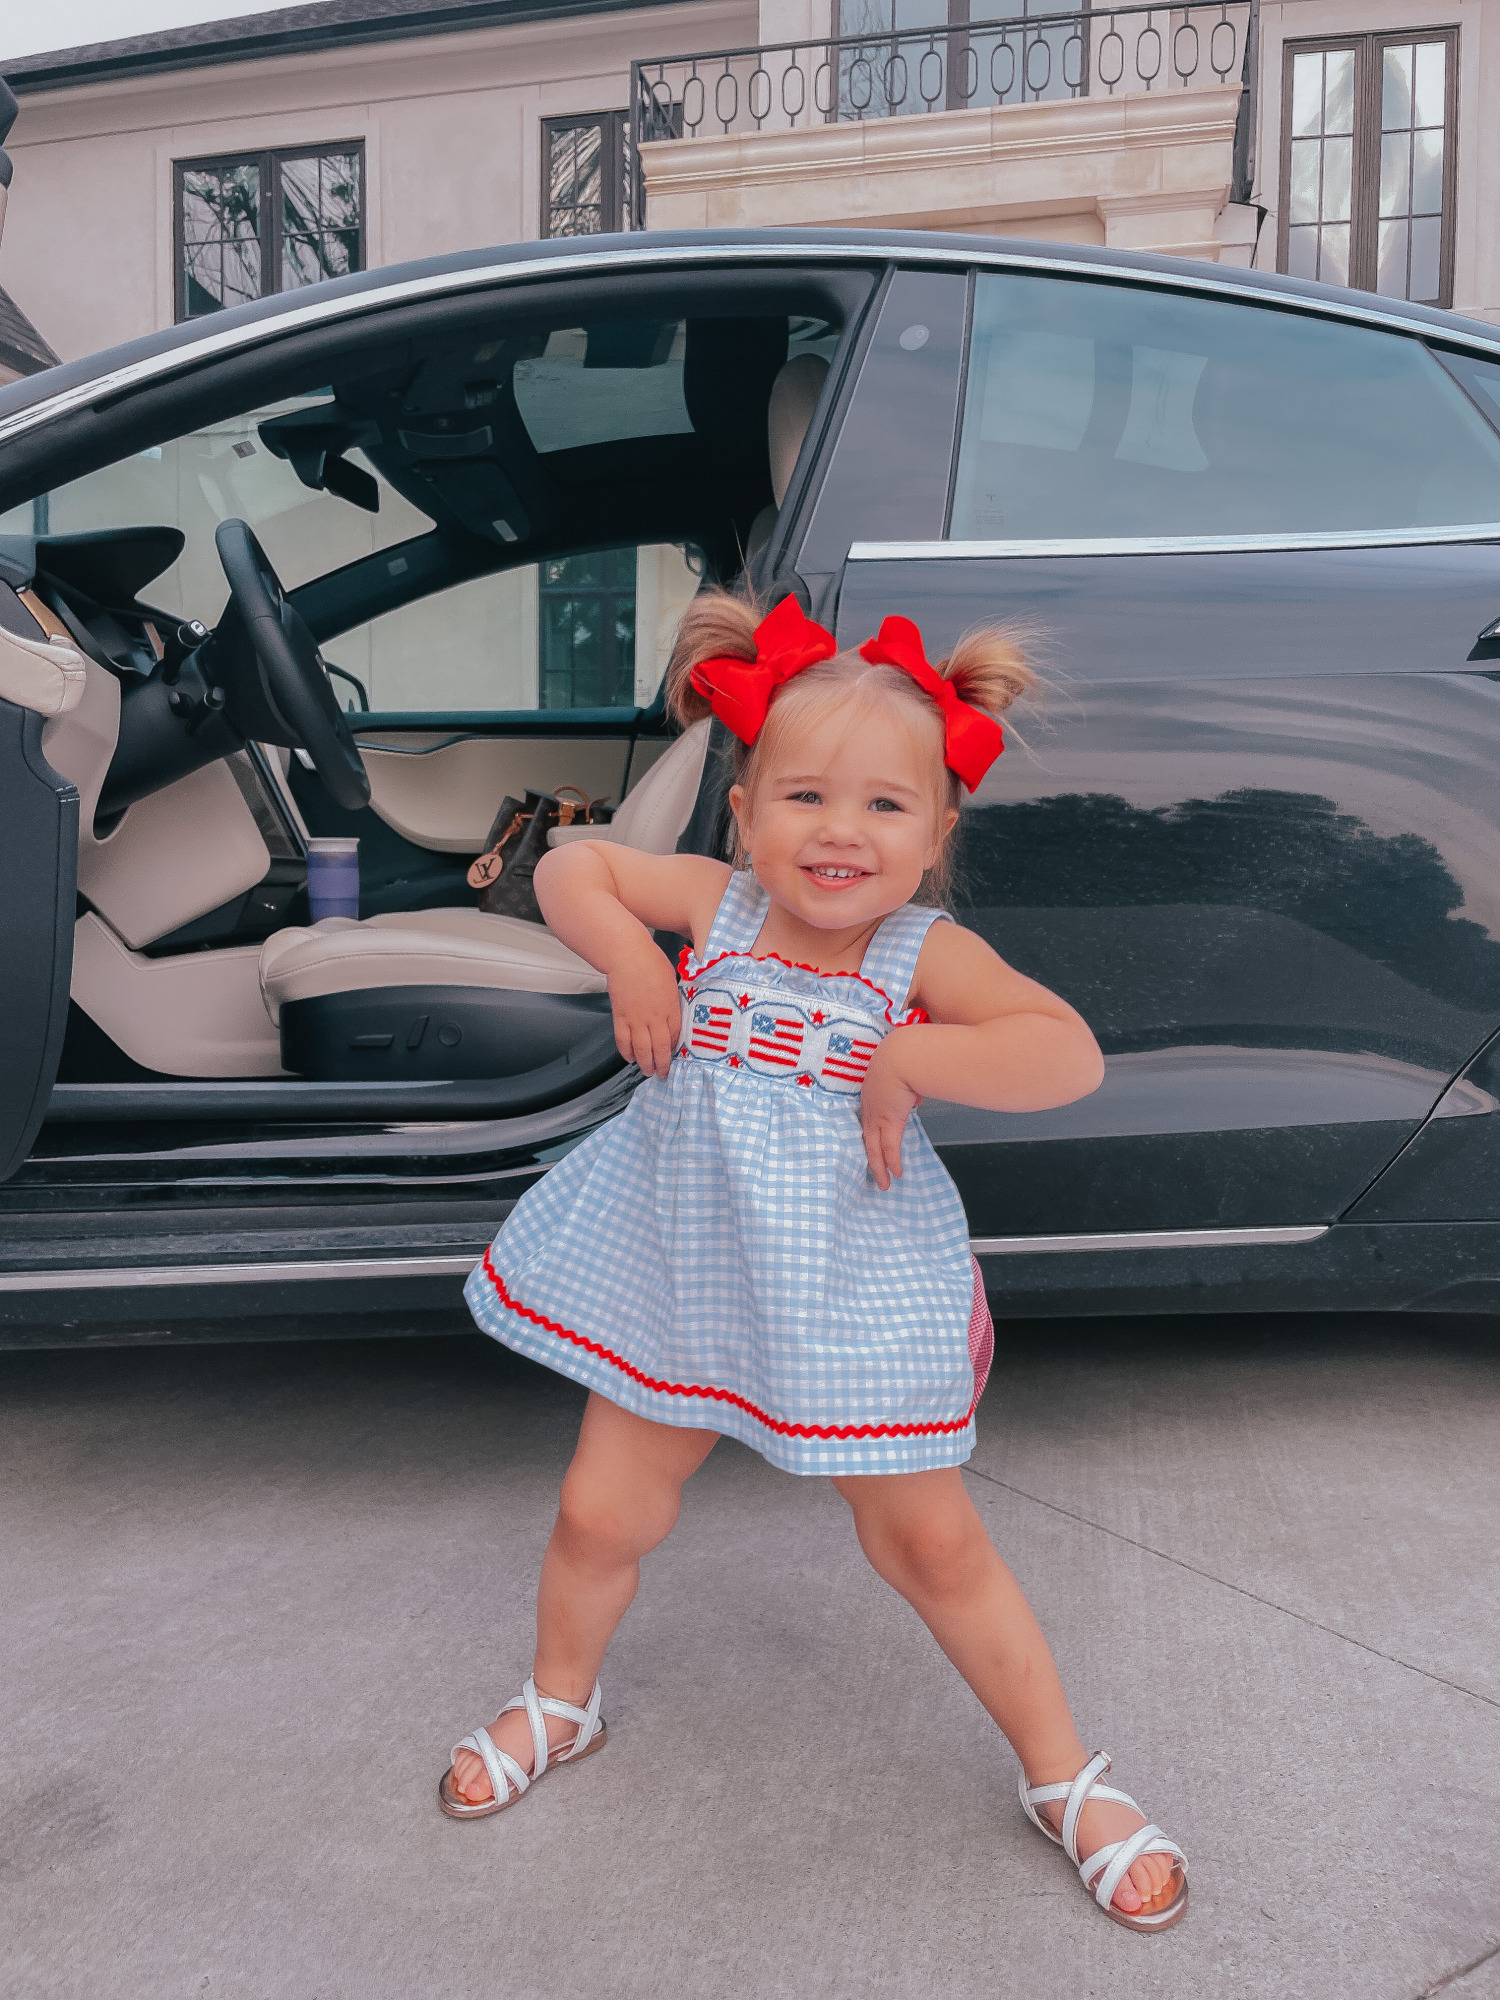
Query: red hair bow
pixel 739 691
pixel 972 739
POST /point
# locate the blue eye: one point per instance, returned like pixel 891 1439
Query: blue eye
pixel 885 805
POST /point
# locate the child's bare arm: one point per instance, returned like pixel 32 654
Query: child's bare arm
pixel 604 901
pixel 997 1040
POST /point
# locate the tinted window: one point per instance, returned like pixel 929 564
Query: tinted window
pixel 894 457
pixel 594 384
pixel 1481 379
pixel 1093 409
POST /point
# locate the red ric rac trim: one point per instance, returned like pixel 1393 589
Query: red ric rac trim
pixel 829 1431
pixel 913 1016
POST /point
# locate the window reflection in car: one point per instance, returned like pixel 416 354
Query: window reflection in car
pixel 1101 410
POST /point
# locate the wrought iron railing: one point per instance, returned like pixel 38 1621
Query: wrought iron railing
pixel 1024 58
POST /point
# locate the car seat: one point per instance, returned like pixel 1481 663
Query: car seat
pixel 794 397
pixel 467 948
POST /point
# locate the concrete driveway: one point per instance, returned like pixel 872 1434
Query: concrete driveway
pixel 252 1594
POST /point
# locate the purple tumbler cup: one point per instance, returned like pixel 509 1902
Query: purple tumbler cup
pixel 333 878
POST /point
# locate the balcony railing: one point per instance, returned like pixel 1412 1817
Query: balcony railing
pixel 1024 58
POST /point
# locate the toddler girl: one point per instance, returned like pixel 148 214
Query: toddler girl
pixel 764 1244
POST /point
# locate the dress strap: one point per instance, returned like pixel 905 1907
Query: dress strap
pixel 739 917
pixel 891 960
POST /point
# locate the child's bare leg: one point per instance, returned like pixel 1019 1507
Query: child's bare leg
pixel 922 1533
pixel 619 1500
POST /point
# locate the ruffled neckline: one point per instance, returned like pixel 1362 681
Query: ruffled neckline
pixel 863 991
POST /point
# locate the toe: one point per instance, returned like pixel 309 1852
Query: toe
pixel 470 1780
pixel 1147 1877
pixel 1158 1894
pixel 1129 1895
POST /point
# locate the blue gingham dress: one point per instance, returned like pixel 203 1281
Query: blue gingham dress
pixel 719 1256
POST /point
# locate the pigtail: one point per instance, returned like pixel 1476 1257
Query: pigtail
pixel 988 669
pixel 715 624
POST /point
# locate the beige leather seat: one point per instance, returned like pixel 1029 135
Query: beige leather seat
pixel 794 397
pixel 465 947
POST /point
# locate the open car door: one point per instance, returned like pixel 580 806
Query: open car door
pixel 39 842
pixel 39 678
pixel 8 109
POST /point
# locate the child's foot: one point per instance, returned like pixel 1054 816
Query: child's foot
pixel 1146 1885
pixel 511 1732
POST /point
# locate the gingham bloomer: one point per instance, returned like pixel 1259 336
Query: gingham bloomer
pixel 719 1256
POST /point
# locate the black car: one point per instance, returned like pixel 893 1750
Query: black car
pixel 1252 525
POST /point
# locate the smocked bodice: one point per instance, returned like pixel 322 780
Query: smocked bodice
pixel 787 1023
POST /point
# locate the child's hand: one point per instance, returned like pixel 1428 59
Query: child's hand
pixel 647 1008
pixel 886 1102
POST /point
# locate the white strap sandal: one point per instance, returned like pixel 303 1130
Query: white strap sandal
pixel 507 1780
pixel 1104 1870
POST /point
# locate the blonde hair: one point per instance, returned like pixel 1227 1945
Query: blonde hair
pixel 987 668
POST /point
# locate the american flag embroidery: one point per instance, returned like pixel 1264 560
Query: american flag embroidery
pixel 711 1027
pixel 777 1038
pixel 848 1057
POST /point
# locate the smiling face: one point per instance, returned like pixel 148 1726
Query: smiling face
pixel 848 810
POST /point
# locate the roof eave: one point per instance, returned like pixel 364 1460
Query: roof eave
pixel 249 38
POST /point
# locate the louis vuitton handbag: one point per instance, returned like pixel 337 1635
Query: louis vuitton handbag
pixel 518 840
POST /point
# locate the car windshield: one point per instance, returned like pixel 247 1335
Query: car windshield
pixel 225 471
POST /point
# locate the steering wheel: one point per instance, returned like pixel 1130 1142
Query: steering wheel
pixel 293 679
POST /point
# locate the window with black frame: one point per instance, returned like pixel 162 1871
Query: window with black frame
pixel 586 627
pixel 585 174
pixel 1368 152
pixel 251 224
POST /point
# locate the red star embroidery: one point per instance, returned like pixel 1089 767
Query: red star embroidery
pixel 743 1001
pixel 735 1063
pixel 819 1017
pixel 804 1079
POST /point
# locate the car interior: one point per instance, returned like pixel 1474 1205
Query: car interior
pixel 212 739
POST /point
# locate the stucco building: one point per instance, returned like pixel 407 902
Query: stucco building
pixel 160 175
pixel 1343 140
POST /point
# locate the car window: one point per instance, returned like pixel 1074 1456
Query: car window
pixel 1480 378
pixel 622 379
pixel 376 488
pixel 1103 410
pixel 893 455
pixel 581 631
pixel 594 384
